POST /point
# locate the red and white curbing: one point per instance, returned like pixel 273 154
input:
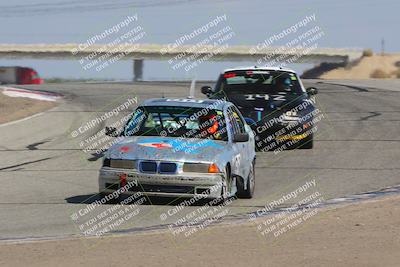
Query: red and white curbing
pixel 38 95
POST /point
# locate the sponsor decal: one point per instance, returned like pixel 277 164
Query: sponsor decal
pixel 156 145
pixel 124 149
pixel 186 145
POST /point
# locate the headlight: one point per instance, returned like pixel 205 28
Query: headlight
pixel 213 168
pixel 201 168
pixel 120 163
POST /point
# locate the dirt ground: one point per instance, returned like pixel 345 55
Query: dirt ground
pixel 365 67
pixel 14 108
pixel 365 234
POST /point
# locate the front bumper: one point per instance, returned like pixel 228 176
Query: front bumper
pixel 201 185
pixel 283 131
pixel 281 136
pixel 296 137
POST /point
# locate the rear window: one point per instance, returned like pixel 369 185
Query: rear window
pixel 259 82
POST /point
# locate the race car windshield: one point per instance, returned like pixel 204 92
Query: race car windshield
pixel 177 122
pixel 263 82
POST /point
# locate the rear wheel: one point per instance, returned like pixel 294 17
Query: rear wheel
pixel 250 184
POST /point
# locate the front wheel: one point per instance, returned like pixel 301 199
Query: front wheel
pixel 250 184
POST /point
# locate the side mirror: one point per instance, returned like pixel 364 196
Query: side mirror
pixel 312 91
pixel 242 137
pixel 206 90
pixel 111 131
pixel 249 121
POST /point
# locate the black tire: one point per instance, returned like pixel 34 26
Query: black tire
pixel 112 200
pixel 250 184
pixel 307 143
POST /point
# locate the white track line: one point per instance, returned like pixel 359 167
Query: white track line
pixel 27 118
pixel 39 95
pixel 18 92
pixel 21 120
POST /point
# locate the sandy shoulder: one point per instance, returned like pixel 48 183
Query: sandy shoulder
pixel 15 108
pixel 365 67
pixel 366 234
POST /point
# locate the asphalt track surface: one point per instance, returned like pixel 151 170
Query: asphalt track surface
pixel 46 177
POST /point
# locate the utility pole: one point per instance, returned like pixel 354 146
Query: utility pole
pixel 137 69
pixel 383 46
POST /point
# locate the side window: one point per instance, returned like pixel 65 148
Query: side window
pixel 218 91
pixel 238 119
pixel 235 129
pixel 133 125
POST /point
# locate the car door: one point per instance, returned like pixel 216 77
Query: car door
pixel 240 149
pixel 248 147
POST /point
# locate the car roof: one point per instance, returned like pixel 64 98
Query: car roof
pixel 187 102
pixel 260 68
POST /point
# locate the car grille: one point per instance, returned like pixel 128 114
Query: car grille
pixel 195 167
pixel 148 166
pixel 155 167
pixel 167 167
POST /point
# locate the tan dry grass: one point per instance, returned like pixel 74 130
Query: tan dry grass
pixel 14 108
pixel 365 67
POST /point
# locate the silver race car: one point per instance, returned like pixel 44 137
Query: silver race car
pixel 181 148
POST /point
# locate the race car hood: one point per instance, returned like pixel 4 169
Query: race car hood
pixel 259 107
pixel 268 102
pixel 166 148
